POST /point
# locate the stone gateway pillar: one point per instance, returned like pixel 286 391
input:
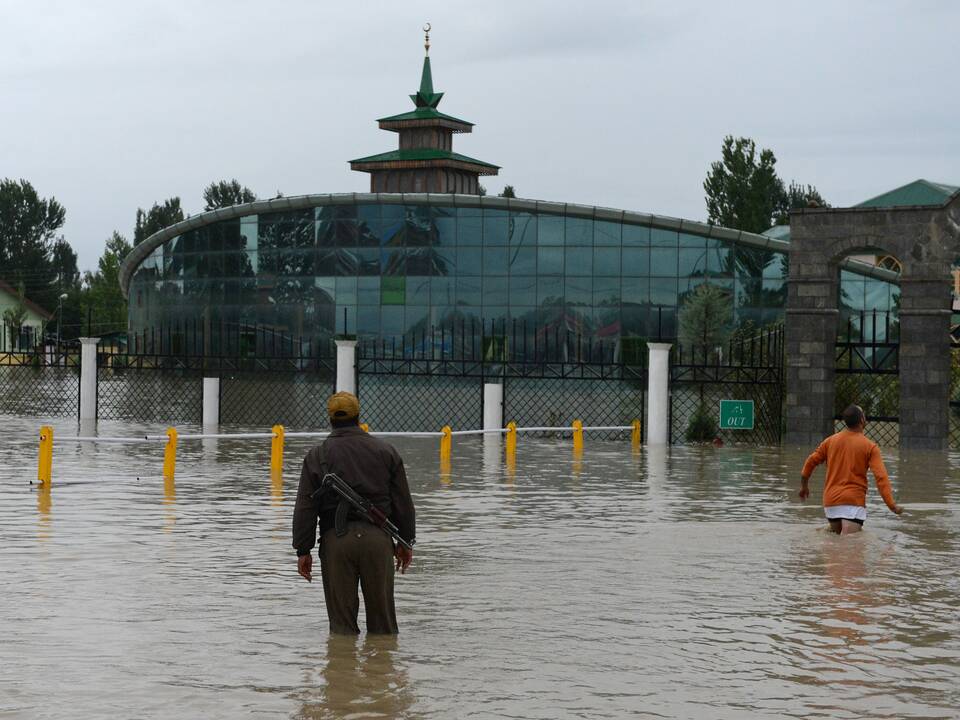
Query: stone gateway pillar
pixel 926 240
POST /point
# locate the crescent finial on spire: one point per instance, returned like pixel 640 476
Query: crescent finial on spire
pixel 426 40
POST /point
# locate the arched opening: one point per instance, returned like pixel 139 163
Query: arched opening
pixel 868 341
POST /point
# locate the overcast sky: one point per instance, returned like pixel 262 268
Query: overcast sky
pixel 111 106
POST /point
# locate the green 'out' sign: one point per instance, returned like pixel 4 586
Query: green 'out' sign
pixel 736 414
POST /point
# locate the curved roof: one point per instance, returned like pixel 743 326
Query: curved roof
pixel 141 251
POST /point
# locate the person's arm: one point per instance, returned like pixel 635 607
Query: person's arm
pixel 305 521
pixel 882 479
pixel 402 513
pixel 815 458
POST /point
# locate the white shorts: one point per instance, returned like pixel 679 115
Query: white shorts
pixel 846 512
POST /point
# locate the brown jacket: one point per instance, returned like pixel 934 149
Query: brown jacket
pixel 370 466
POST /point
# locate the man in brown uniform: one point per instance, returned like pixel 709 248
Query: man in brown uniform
pixel 364 553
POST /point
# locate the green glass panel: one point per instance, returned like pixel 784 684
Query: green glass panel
pixel 663 261
pixel 550 230
pixel 607 233
pixel 523 260
pixel 578 260
pixel 393 289
pixel 692 262
pixel 418 290
pixel 470 231
pixel 523 290
pixel 549 289
pixel 495 230
pixel 522 229
pixel 550 260
pixel 663 291
pixel 495 261
pixel 636 290
pixel 635 261
pixel 469 291
pixel 469 260
pixel 579 231
pixel 606 261
pixel 578 290
pixel 664 238
pixel 368 291
pixel 635 235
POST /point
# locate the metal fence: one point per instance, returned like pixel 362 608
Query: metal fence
pixel 40 383
pixel 551 376
pixel 868 375
pixel 748 369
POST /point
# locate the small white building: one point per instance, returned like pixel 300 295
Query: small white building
pixel 31 332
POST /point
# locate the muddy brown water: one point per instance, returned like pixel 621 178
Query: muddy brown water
pixel 679 583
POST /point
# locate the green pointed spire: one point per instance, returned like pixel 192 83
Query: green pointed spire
pixel 425 96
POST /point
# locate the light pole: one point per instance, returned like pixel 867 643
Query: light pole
pixel 60 300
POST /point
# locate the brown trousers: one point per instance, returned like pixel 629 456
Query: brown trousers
pixel 364 555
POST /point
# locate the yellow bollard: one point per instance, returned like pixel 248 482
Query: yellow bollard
pixel 45 462
pixel 511 444
pixel 365 427
pixel 635 434
pixel 170 455
pixel 276 451
pixel 577 436
pixel 446 443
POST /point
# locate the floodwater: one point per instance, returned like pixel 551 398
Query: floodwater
pixel 681 583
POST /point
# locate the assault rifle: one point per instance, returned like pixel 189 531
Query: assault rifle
pixel 350 499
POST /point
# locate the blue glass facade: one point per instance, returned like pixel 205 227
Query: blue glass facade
pixel 383 270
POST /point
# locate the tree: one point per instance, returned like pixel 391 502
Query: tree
pixel 798 197
pixel 14 317
pixel 156 219
pixel 743 190
pixel 28 224
pixel 102 297
pixel 226 193
pixel 508 192
pixel 704 318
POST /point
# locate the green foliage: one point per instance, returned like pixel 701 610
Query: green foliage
pixel 702 426
pixel 508 192
pixel 156 219
pixel 14 317
pixel 481 190
pixel 28 224
pixel 798 197
pixel 101 297
pixel 744 192
pixel 704 318
pixel 226 193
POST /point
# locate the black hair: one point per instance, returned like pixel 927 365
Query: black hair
pixel 344 422
pixel 853 415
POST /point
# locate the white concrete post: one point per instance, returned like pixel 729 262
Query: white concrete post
pixel 88 378
pixel 347 366
pixel 492 406
pixel 211 402
pixel 658 394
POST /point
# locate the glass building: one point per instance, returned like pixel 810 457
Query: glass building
pixel 385 266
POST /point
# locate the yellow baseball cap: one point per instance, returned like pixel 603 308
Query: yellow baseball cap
pixel 343 406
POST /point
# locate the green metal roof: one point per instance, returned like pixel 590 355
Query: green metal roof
pixel 919 192
pixel 424 113
pixel 421 154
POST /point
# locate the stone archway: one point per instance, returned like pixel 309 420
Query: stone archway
pixel 926 240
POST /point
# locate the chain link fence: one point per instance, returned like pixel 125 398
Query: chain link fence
pixel 409 402
pixel 40 384
pixel 294 399
pixel 148 389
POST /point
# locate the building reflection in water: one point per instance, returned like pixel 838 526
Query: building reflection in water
pixel 44 512
pixel 169 504
pixel 361 678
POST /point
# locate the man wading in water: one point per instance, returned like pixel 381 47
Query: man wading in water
pixel 848 455
pixel 359 552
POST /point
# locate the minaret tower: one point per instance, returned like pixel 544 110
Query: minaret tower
pixel 425 161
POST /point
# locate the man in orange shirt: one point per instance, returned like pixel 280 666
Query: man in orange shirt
pixel 848 455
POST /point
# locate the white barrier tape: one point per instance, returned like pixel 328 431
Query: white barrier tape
pixel 499 431
pixel 270 435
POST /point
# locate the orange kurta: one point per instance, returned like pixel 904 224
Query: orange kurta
pixel 848 455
